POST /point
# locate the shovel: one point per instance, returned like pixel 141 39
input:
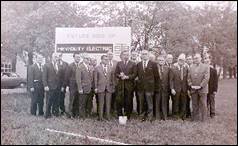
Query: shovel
pixel 122 119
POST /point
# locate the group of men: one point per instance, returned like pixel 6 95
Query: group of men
pixel 153 81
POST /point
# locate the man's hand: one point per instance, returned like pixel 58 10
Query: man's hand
pixel 125 77
pixel 81 91
pixel 122 75
pixel 32 89
pixel 96 90
pixel 67 89
pixel 196 87
pixel 189 94
pixel 46 88
pixel 62 89
pixel 214 92
pixel 173 91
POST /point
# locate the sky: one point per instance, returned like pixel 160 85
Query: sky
pixel 193 4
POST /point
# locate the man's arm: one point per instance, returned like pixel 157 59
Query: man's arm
pixel 67 76
pixel 31 77
pixel 45 76
pixel 206 77
pixel 133 72
pixel 117 71
pixel 215 80
pixel 189 79
pixel 95 74
pixel 171 78
pixel 78 78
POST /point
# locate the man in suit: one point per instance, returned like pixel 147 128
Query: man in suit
pixel 169 63
pixel 70 81
pixel 36 86
pixel 179 87
pixel 63 66
pixel 104 86
pixel 125 73
pixel 51 85
pixel 198 77
pixel 162 89
pixel 189 61
pixel 147 73
pixel 212 87
pixel 84 80
pixel 112 64
pixel 134 58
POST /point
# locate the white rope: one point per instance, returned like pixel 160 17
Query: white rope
pixel 89 137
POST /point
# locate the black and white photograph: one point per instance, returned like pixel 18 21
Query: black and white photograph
pixel 118 72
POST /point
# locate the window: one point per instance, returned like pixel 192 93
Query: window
pixel 6 67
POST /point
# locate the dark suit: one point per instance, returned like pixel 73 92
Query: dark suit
pixel 146 86
pixel 63 66
pixel 180 85
pixel 125 87
pixel 84 80
pixel 51 79
pixel 70 81
pixel 171 96
pixel 212 87
pixel 37 96
pixel 162 92
pixel 112 69
pixel 135 90
pixel 104 83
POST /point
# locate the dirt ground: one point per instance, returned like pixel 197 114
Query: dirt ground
pixel 19 127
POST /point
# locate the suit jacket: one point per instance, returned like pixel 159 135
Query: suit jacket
pixel 84 78
pixel 175 78
pixel 104 81
pixel 213 81
pixel 62 71
pixel 35 75
pixel 147 78
pixel 129 70
pixel 70 78
pixel 113 69
pixel 51 77
pixel 162 82
pixel 199 76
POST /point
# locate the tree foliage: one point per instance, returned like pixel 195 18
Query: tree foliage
pixel 173 26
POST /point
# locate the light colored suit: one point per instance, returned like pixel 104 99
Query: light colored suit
pixel 104 84
pixel 198 75
pixel 84 80
pixel 102 81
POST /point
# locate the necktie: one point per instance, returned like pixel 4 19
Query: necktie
pixel 181 72
pixel 144 65
pixel 105 70
pixel 110 64
pixel 55 66
pixel 40 67
pixel 161 71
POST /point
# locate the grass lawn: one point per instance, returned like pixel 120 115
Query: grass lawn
pixel 19 127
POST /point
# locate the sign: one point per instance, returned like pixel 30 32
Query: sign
pixel 84 48
pixel 96 41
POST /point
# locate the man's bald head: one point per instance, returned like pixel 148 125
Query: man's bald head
pixel 169 58
pixel 144 55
